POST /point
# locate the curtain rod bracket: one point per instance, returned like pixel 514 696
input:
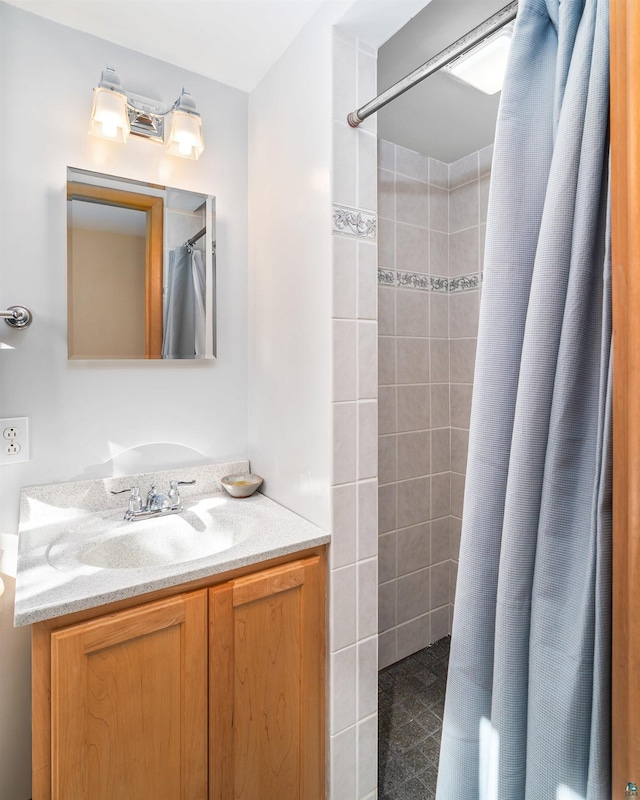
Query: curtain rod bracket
pixel 354 120
pixel 17 317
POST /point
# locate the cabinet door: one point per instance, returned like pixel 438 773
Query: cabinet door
pixel 129 704
pixel 266 685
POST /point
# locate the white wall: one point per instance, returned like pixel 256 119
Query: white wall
pixel 83 413
pixel 290 272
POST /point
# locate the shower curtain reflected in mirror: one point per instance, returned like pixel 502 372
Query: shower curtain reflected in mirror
pixel 184 321
pixel 527 713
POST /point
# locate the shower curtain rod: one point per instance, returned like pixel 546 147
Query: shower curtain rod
pixel 458 48
pixel 190 242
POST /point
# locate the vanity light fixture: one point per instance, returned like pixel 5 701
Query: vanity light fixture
pixel 117 113
pixel 484 66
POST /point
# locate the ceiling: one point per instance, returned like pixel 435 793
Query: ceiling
pixel 231 41
pixel 440 117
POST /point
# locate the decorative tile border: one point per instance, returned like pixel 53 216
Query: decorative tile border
pixel 428 283
pixel 464 283
pixel 353 222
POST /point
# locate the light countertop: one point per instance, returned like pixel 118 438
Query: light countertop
pixel 74 548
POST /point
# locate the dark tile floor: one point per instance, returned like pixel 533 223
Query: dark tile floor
pixel 410 709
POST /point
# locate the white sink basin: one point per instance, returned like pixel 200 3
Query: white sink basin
pixel 109 542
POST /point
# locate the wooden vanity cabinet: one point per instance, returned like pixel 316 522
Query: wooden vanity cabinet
pixel 211 694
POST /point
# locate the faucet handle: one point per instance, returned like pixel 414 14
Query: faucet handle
pixel 135 490
pixel 174 495
pixel 181 483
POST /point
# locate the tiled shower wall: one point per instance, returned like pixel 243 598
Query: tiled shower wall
pixel 431 235
pixel 353 578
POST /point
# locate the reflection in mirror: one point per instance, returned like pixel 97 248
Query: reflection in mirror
pixel 140 270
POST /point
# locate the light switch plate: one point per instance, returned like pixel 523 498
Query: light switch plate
pixel 14 440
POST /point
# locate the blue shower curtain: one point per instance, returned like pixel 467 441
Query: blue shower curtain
pixel 527 712
pixel 184 318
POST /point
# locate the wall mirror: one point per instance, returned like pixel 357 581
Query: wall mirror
pixel 141 270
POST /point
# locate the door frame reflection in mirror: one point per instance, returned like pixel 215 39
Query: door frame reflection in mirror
pixel 154 209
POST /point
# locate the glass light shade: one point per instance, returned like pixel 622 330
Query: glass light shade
pixel 185 136
pixel 109 118
pixel 484 67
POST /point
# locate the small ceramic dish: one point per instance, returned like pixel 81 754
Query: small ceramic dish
pixel 242 485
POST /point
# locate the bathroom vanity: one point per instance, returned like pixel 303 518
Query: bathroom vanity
pixel 198 679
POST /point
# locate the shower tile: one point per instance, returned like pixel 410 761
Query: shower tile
pixel 412 245
pixel 386 243
pixel 413 454
pixel 342 587
pixel 440 495
pixel 439 578
pixel 412 201
pixel 438 209
pixel 463 252
pixel 438 173
pixel 484 197
pixel 387 568
pixel 366 86
pixel 344 360
pixel 367 280
pixel 459 449
pixel 482 235
pixel 439 360
pixel 464 309
pixel 344 164
pixel 438 314
pixel 413 360
pixel 387 604
pixel 463 360
pixel 412 164
pixel 343 525
pixel 367 676
pixel 344 277
pixel 344 88
pixel 367 180
pixel 386 311
pixel 386 655
pixel 367 359
pixel 485 160
pixel 461 394
pixel 413 548
pixel 440 450
pixel 453 578
pixel 440 623
pixel 386 155
pixel 457 494
pixel 342 668
pixel 342 765
pixel 413 595
pixel 413 502
pixel 386 360
pixel 412 309
pixel 414 636
pixel 344 439
pixel 387 409
pixel 367 519
pixel 440 405
pixel 440 540
pixel 367 599
pixel 456 531
pixel 387 507
pixel 386 194
pixel 367 750
pixel 439 253
pixel 367 439
pixel 463 207
pixel 413 408
pixel 387 459
pixel 463 171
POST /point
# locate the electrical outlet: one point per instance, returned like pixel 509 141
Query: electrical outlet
pixel 15 440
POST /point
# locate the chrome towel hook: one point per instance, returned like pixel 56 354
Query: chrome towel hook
pixel 17 316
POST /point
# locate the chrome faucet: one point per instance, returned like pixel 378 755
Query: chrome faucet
pixel 157 503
